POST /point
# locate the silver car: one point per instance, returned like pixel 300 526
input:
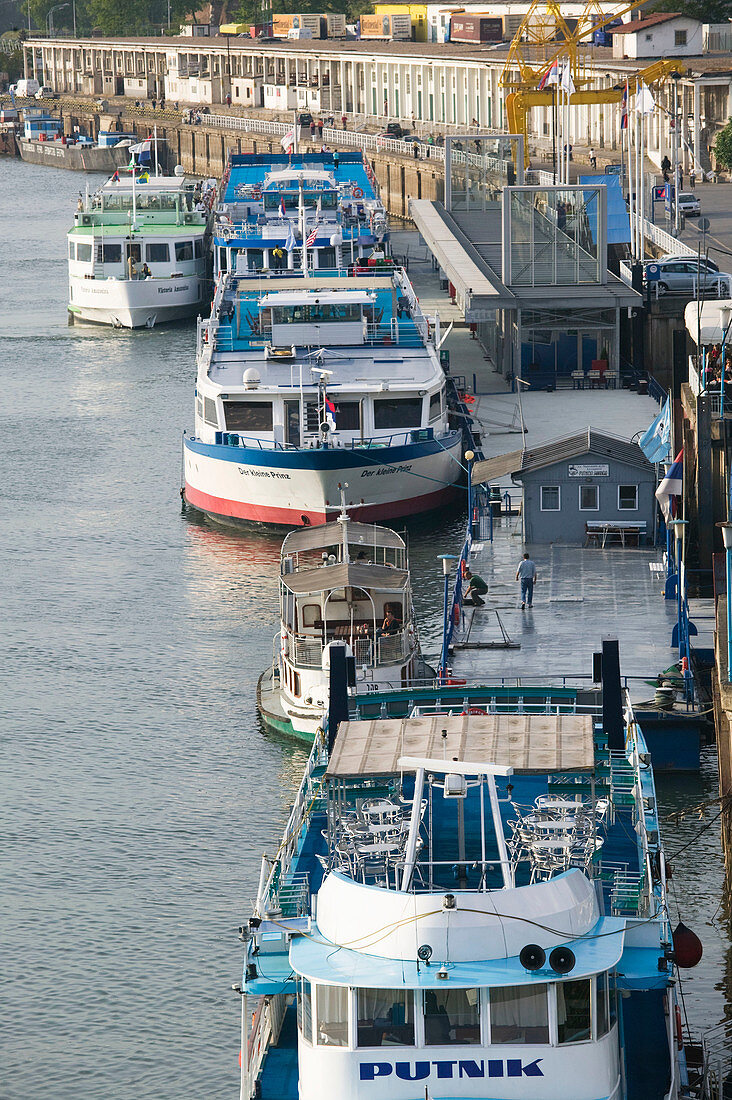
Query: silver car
pixel 680 276
pixel 689 204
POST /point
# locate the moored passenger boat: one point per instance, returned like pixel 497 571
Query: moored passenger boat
pixel 310 383
pixel 138 251
pixel 468 905
pixel 343 585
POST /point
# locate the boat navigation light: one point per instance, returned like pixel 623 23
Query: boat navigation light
pixel 442 974
pixel 449 902
pixel 424 954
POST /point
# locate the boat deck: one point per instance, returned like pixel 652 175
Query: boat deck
pixel 582 596
pixel 250 171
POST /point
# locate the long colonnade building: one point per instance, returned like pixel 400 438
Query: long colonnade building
pixel 437 88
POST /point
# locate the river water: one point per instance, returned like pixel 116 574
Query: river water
pixel 137 788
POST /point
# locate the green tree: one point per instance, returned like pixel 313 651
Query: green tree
pixel 706 11
pixel 723 146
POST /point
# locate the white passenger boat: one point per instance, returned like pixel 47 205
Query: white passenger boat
pixel 467 905
pixel 307 383
pixel 343 585
pixel 138 252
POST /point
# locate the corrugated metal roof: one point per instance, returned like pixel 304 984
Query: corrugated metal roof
pixel 559 450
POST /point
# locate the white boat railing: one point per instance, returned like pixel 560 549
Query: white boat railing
pixel 305 651
pixel 266 1025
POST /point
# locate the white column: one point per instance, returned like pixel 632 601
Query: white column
pixel 698 123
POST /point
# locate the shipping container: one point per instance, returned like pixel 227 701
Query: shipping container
pixel 394 27
pixel 475 28
pixel 283 24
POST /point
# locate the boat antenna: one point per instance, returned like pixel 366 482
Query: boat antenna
pixel 343 520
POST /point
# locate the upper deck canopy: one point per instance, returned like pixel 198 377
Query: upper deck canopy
pixel 329 297
pixel 360 535
pixel 292 175
pixel 323 578
pixel 528 743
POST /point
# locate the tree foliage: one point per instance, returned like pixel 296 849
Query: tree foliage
pixel 706 11
pixel 723 146
pixel 113 17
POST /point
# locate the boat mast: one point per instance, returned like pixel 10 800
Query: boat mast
pixel 155 138
pixel 301 204
pixel 343 520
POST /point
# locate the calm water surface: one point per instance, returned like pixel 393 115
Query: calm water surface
pixel 138 789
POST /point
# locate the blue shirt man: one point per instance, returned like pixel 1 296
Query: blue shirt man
pixel 526 573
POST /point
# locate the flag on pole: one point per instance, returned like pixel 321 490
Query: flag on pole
pixel 312 238
pixel 656 442
pixel 319 209
pixel 288 140
pixel 645 104
pixel 283 212
pixel 140 153
pixel 291 242
pixel 624 109
pixel 330 414
pixel 551 76
pixel 565 81
pixel 671 486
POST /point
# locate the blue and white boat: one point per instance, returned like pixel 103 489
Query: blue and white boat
pixel 468 901
pixel 270 201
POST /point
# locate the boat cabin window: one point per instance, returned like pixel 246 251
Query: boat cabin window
pixel 322 313
pixel 84 253
pixel 223 259
pixel 157 252
pixel 519 1014
pixel 326 257
pixel 254 416
pixel 209 412
pixel 331 1002
pixel 112 253
pixel 385 1017
pixel 198 247
pixel 398 412
pixel 436 405
pixel 573 1011
pixel 305 1010
pixel 71 250
pixel 348 416
pixel 451 1016
pixel 255 259
pixel 183 250
pixel 603 1014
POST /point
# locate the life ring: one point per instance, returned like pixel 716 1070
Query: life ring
pixel 456 614
pixel 463 567
pixel 358 192
pixel 679 1030
pixel 475 710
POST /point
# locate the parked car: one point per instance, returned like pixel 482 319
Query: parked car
pixel 304 118
pixel 44 92
pixel 679 276
pixel 705 263
pixel 689 204
pixel 395 130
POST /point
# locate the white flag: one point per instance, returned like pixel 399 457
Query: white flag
pixel 288 140
pixel 291 242
pixel 645 104
pixel 566 83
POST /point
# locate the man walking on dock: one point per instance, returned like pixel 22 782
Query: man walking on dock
pixel 526 573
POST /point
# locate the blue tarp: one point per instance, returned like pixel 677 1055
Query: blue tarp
pixel 618 219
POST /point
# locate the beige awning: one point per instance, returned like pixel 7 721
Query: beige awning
pixel 323 578
pixel 528 743
pixel 361 536
pixel 491 469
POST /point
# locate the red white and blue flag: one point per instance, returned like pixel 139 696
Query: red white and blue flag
pixel 551 76
pixel 312 238
pixel 672 486
pixel 283 212
pixel 330 414
pixel 624 109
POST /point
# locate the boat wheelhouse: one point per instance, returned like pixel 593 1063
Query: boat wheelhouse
pixel 275 202
pixel 345 585
pixel 310 384
pixel 467 905
pixel 138 252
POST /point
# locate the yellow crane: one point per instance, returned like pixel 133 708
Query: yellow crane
pixel 545 37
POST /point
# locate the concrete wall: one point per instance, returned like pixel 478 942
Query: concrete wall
pixel 568 524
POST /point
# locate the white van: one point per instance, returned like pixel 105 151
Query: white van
pixel 45 92
pixel 26 88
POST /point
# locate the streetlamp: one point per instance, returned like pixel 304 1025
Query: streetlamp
pixel 676 77
pixel 49 17
pixel 727 538
pixel 446 559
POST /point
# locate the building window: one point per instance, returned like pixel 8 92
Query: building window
pixel 157 253
pixel 332 1015
pixel 573 1011
pixel 385 1018
pixel 451 1016
pixel 628 498
pixel 305 1010
pixel 252 416
pixel 519 1014
pixel 680 38
pixel 550 498
pixel 649 38
pixel 589 498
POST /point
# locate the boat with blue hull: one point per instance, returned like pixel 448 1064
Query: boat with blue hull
pixel 309 384
pixel 467 902
pixel 272 203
